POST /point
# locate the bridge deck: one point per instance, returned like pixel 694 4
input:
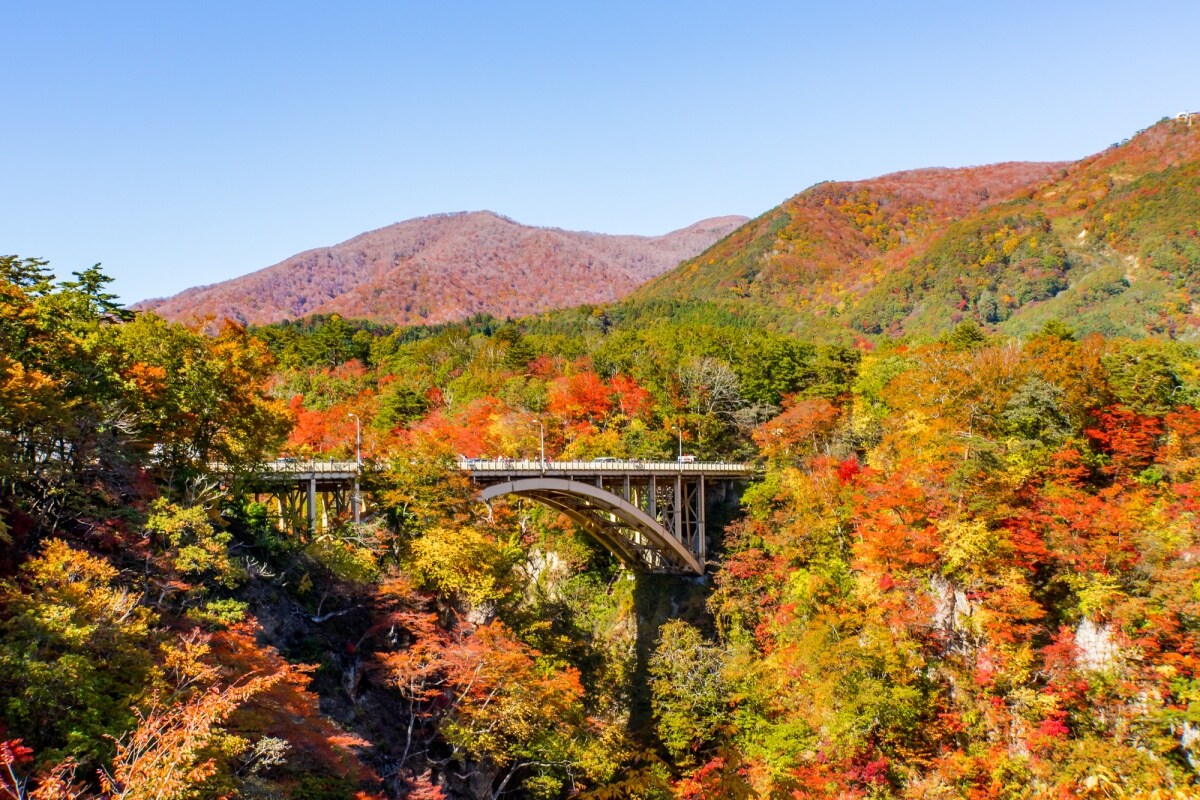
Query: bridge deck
pixel 501 468
pixel 329 470
pixel 326 471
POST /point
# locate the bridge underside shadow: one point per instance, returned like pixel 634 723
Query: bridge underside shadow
pixel 638 539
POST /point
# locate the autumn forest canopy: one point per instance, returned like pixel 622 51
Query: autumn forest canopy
pixel 968 565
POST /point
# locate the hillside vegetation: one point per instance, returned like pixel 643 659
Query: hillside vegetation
pixel 1109 241
pixel 968 567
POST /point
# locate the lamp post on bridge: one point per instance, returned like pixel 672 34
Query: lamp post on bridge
pixel 679 429
pixel 356 498
pixel 357 439
pixel 541 442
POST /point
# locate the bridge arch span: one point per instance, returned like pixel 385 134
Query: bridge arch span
pixel 631 534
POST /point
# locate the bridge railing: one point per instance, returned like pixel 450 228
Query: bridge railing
pixel 299 466
pixel 615 466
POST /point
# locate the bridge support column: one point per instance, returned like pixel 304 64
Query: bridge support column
pixel 702 544
pixel 312 504
pixel 678 504
pixel 356 502
pixel 652 508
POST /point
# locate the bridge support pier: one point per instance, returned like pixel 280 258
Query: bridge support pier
pixel 677 503
pixel 312 504
pixel 308 498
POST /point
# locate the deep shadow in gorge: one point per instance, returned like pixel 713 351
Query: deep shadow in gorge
pixel 660 598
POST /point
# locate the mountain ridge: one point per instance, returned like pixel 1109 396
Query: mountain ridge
pixel 443 267
pixel 1109 241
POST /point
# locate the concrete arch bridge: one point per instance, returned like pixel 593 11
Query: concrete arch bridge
pixel 649 514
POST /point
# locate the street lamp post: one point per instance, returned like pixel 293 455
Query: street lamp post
pixel 356 498
pixel 357 439
pixel 541 442
pixel 679 429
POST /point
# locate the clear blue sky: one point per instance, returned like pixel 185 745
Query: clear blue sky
pixel 181 143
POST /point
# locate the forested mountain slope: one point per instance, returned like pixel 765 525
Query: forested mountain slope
pixel 446 267
pixel 1110 241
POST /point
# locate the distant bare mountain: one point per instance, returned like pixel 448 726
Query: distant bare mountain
pixel 447 267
